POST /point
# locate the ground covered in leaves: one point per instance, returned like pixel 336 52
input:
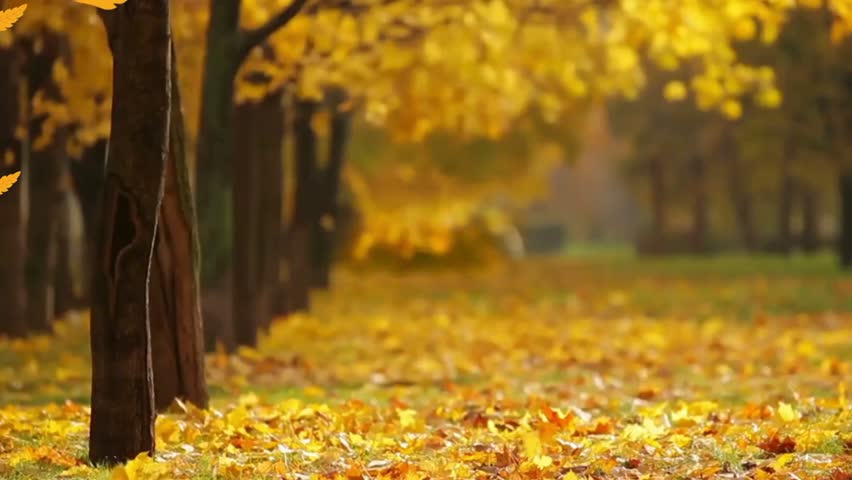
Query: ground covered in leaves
pixel 554 369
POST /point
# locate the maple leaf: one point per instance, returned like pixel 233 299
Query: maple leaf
pixel 9 16
pixel 777 445
pixel 6 181
pixel 102 4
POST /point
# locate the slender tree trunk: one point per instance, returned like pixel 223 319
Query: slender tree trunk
pixel 45 171
pixel 700 206
pixel 741 199
pixel 246 184
pixel 66 295
pixel 785 202
pixel 658 197
pixel 213 168
pixel 271 203
pixel 12 211
pixel 123 414
pixel 326 221
pixel 305 208
pixel 845 243
pixel 87 176
pixel 177 340
pixel 810 217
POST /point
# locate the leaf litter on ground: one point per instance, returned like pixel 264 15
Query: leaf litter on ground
pixel 540 370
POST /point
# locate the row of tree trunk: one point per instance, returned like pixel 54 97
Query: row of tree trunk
pixel 792 194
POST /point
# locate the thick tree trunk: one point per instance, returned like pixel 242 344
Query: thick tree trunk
pixel 700 206
pixel 785 202
pixel 12 214
pixel 213 169
pixel 845 243
pixel 326 221
pixel 305 208
pixel 123 414
pixel 177 340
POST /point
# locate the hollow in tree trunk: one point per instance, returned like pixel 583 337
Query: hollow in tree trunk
pixel 123 414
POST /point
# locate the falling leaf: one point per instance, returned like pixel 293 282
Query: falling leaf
pixel 9 16
pixel 102 4
pixel 6 181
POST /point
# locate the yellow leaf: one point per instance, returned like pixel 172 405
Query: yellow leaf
pixel 6 181
pixel 102 4
pixel 9 16
pixel 787 412
pixel 542 461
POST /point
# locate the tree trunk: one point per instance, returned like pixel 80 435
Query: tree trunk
pixel 213 170
pixel 658 197
pixel 177 340
pixel 12 211
pixel 45 170
pixel 326 221
pixel 246 183
pixel 305 208
pixel 740 199
pixel 785 202
pixel 845 243
pixel 271 220
pixel 810 217
pixel 700 206
pixel 66 296
pixel 87 176
pixel 123 414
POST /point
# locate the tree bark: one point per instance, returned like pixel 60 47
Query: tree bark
pixel 700 206
pixel 326 222
pixel 845 243
pixel 12 211
pixel 123 414
pixel 305 208
pixel 177 340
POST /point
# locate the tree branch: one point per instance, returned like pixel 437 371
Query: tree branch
pixel 253 38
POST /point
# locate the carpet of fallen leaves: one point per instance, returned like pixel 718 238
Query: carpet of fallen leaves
pixel 545 370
